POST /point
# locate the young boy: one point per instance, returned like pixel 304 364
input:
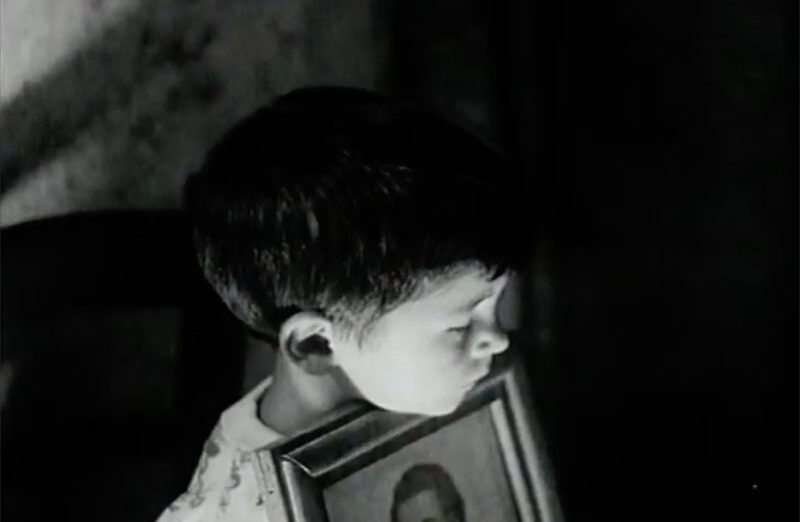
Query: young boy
pixel 371 242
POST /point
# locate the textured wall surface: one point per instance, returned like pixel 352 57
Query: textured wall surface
pixel 109 104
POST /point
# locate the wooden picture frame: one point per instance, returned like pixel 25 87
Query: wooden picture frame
pixel 315 476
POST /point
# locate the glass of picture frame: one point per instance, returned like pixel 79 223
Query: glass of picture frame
pixel 486 461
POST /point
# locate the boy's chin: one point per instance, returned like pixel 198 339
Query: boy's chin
pixel 431 410
pixel 442 412
pixel 429 406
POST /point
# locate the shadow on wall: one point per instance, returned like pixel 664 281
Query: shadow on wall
pixel 121 122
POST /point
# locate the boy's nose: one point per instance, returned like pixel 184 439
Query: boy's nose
pixel 487 342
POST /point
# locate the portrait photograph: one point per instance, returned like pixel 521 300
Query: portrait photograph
pixel 482 462
pixel 459 465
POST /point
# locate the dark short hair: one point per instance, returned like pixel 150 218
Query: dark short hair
pixel 335 196
pixel 423 477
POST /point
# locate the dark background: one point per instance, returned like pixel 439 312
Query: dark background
pixel 660 144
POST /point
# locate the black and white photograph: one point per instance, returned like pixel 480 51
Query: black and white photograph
pixel 399 261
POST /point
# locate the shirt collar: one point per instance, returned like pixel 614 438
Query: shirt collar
pixel 241 425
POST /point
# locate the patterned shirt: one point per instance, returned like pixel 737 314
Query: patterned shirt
pixel 225 486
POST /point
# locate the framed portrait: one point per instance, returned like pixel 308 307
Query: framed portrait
pixel 483 462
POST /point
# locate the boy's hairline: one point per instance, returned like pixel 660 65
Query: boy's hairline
pixel 362 320
pixel 437 280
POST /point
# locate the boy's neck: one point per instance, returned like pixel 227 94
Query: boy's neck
pixel 295 400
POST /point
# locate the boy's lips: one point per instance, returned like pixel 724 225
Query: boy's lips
pixel 474 382
pixel 483 373
pixel 487 368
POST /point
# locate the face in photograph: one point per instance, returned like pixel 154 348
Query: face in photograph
pixel 427 493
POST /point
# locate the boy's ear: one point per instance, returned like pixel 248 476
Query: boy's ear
pixel 306 339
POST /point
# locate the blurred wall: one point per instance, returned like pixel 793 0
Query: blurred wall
pixel 109 104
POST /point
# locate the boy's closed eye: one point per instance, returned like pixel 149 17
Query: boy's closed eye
pixel 460 329
pixel 463 326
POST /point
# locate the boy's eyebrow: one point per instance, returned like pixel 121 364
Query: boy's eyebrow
pixel 473 302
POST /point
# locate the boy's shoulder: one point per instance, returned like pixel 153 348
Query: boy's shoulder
pixel 239 426
pixel 223 486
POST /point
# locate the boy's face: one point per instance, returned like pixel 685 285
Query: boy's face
pixel 426 354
